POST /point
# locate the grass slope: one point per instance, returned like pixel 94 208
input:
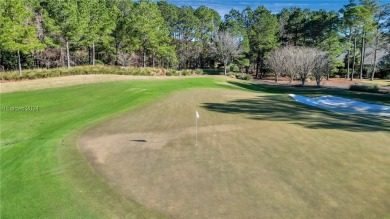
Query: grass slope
pixel 44 175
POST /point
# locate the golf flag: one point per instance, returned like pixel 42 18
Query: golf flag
pixel 197 114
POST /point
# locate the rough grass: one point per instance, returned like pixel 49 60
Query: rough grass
pixel 43 174
pixel 86 70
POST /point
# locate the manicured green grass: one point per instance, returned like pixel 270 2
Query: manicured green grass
pixel 43 175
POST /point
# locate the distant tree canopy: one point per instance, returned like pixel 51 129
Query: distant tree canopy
pixel 42 33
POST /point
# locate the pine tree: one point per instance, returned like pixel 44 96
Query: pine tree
pixel 70 18
pixel 100 24
pixel 17 31
pixel 263 36
pixel 150 30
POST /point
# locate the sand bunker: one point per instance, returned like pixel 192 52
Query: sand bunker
pixel 344 105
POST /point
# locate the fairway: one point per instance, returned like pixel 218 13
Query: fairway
pixel 125 149
pixel 258 155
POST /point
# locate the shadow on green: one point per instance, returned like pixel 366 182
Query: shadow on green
pixel 283 108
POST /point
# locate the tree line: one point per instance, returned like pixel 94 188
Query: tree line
pixel 145 33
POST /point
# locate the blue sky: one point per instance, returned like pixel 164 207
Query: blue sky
pixel 224 6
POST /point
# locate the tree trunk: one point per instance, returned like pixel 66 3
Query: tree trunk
pixel 291 78
pixel 116 55
pixel 67 54
pixel 144 58
pixel 375 50
pixel 257 64
pixel 62 62
pixel 362 58
pixel 153 60
pixel 261 70
pixel 93 53
pixel 225 65
pixel 89 55
pixel 354 58
pixel 276 78
pixel 37 63
pixel 348 59
pixel 348 54
pixel 19 64
pixel 318 80
pixel 303 80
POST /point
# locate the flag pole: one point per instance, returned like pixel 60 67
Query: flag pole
pixel 196 129
pixel 196 138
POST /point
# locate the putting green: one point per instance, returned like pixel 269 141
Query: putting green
pixel 246 164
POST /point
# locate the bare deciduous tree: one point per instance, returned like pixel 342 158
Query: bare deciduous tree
pixel 276 61
pixel 227 47
pixel 283 61
pixel 322 66
pixel 303 61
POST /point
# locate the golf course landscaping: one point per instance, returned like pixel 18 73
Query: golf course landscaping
pixel 126 149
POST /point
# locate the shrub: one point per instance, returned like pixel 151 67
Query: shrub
pixel 242 76
pixel 234 68
pixel 98 62
pixel 199 71
pixel 231 74
pixel 365 88
pixel 186 72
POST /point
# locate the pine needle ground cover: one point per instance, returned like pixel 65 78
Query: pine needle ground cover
pixel 260 154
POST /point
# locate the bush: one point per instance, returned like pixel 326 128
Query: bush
pixel 365 88
pixel 231 74
pixel 186 72
pixel 199 71
pixel 98 62
pixel 241 76
pixel 234 68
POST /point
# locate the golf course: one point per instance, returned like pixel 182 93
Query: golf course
pixel 125 148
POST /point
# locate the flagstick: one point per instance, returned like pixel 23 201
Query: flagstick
pixel 196 121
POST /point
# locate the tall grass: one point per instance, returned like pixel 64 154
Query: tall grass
pixel 86 70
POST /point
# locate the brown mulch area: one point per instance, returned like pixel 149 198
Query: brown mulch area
pixel 332 82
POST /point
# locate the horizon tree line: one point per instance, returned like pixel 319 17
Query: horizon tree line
pixel 145 33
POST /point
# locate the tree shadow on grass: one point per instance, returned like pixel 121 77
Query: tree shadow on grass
pixel 314 91
pixel 284 108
